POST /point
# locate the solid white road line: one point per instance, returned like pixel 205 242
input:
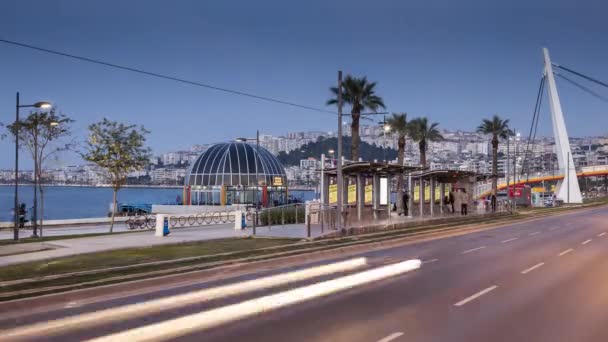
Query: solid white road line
pixel 532 268
pixel 508 240
pixel 175 328
pixel 430 261
pixel 566 252
pixel 586 242
pixel 477 295
pixel 534 233
pixel 391 337
pixel 601 234
pixel 473 250
pixel 118 314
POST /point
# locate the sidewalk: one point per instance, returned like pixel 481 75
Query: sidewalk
pixel 69 247
pixel 7 233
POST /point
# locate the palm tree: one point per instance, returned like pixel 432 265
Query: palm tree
pixel 360 95
pixel 498 128
pixel 397 124
pixel 421 132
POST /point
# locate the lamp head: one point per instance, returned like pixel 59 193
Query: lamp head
pixel 43 105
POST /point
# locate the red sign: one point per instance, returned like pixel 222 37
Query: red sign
pixel 517 192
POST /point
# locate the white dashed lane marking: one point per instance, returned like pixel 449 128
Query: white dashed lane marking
pixel 601 234
pixel 473 250
pixel 586 242
pixel 508 240
pixel 566 251
pixel 527 270
pixel 391 337
pixel 477 295
pixel 534 233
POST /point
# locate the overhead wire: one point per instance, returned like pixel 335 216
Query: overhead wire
pixel 172 78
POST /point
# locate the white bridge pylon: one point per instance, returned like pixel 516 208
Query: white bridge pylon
pixel 567 189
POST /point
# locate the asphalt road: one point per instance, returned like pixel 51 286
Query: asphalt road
pixel 543 280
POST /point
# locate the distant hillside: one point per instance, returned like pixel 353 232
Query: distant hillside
pixel 315 149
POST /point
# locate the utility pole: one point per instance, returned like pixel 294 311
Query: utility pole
pixel 384 131
pixel 36 180
pixel 508 165
pixel 339 166
pixel 514 167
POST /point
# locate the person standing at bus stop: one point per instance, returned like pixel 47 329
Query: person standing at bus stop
pixel 464 202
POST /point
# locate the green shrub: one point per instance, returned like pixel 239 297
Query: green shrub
pixel 275 216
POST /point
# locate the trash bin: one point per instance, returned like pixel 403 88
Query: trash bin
pixel 166 230
pixel 243 220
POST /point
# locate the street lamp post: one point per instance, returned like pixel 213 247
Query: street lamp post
pixel 339 165
pixel 385 129
pixel 18 105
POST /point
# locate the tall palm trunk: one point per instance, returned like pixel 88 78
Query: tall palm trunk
pixel 494 165
pixel 113 211
pixel 354 132
pixel 400 157
pixel 422 146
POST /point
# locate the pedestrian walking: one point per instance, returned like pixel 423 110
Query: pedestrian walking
pixel 22 215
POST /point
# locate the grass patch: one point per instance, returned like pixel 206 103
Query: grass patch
pixel 131 256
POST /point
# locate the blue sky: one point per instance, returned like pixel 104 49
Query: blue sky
pixel 453 61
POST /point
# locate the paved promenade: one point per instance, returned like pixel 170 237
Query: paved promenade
pixel 68 247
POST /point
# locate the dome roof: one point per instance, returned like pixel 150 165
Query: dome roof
pixel 234 164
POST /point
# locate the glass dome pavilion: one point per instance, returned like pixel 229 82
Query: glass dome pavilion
pixel 236 173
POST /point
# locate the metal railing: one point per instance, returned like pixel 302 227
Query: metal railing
pixel 278 216
pixel 324 218
pixel 148 221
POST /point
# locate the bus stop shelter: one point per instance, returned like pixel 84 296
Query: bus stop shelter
pixel 433 186
pixel 366 188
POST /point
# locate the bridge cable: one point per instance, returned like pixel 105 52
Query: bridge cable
pixel 589 78
pixel 582 87
pixel 534 124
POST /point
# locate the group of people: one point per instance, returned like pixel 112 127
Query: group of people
pixel 455 200
pixel 458 200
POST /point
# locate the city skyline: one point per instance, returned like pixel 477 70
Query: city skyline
pixel 461 150
pixel 455 77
